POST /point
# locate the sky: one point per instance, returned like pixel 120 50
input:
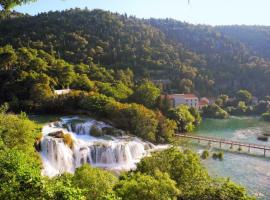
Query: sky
pixel 212 12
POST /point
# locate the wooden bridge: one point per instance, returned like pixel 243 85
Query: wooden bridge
pixel 221 141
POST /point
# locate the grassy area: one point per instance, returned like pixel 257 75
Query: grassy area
pixel 44 119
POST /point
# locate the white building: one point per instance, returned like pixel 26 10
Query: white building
pixel 188 99
pixel 61 92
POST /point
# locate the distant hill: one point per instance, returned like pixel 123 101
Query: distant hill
pixel 257 38
pixel 203 59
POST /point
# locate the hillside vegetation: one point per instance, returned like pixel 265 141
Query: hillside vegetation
pixel 195 58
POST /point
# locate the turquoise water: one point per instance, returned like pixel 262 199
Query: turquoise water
pixel 253 172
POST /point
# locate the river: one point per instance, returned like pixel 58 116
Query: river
pixel 252 172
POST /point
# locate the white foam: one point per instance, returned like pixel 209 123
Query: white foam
pixel 115 153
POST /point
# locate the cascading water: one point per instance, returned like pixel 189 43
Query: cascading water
pixel 115 153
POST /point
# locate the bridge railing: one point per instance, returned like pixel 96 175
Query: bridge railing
pixel 225 141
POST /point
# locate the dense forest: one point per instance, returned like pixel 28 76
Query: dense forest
pixel 188 58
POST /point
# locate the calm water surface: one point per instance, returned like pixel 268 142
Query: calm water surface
pixel 253 172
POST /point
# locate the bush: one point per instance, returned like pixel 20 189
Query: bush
pixel 266 116
pixel 37 143
pixel 183 167
pixel 18 132
pixel 241 109
pixel 214 111
pixel 62 187
pixel 196 114
pixel 184 119
pixel 95 103
pixel 95 131
pixel 166 128
pixel 244 95
pixel 82 82
pixel 96 183
pixel 219 155
pixel 190 177
pixel 261 107
pixel 68 140
pixel 205 154
pixel 138 186
pixel 112 131
pixel 146 94
pixel 118 91
pixel 20 176
pixel 135 118
pixel 262 138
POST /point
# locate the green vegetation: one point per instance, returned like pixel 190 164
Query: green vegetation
pixel 184 119
pixel 170 174
pixel 205 154
pixel 20 176
pixel 243 96
pixel 146 94
pixel 7 5
pixel 68 140
pixel 192 57
pixel 95 131
pixel 44 119
pixel 108 61
pixel 191 178
pixel 96 183
pixel 137 186
pixel 266 116
pixel 214 111
pixel 17 132
pixel 218 155
pixel 262 138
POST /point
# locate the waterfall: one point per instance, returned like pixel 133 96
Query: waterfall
pixel 114 153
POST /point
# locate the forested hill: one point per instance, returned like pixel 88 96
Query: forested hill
pixel 204 59
pixel 256 38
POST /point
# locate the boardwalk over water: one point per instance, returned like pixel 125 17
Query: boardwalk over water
pixel 221 141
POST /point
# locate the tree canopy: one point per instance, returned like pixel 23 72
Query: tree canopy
pixel 181 56
pixel 6 5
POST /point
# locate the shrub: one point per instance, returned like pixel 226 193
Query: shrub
pixel 18 132
pixel 183 167
pixel 191 178
pixel 62 187
pixel 214 111
pixel 68 140
pixel 244 95
pixel 183 118
pixel 118 91
pixel 135 118
pixel 146 94
pixel 166 128
pixel 95 131
pixel 262 138
pixel 37 143
pixel 266 116
pixel 94 103
pixel 96 183
pixel 138 186
pixel 205 154
pixel 82 82
pixel 219 155
pixel 112 131
pixel 20 176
